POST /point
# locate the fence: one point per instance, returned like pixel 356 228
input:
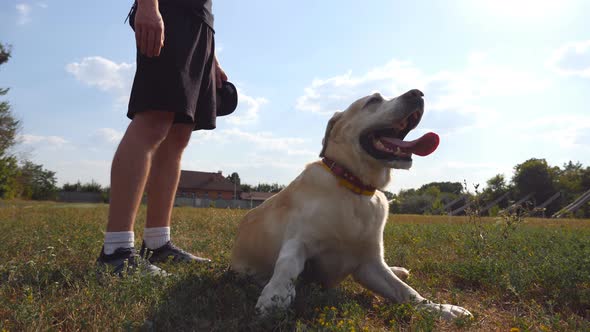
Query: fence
pixel 217 203
pixel 80 197
pixel 89 197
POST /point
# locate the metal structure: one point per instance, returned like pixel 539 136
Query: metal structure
pixel 520 201
pixel 573 206
pixel 447 207
pixel 547 202
pixel 461 209
pixel 455 201
pixel 494 202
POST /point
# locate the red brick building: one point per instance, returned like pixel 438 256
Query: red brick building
pixel 255 197
pixel 206 185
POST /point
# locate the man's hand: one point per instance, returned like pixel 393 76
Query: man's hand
pixel 149 28
pixel 220 75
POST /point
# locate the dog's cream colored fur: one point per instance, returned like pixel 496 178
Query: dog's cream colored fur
pixel 337 232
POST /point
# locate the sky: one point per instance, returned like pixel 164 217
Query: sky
pixel 504 81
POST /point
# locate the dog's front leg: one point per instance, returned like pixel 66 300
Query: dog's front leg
pixel 280 290
pixel 379 278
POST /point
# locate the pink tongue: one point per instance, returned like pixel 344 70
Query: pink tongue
pixel 422 146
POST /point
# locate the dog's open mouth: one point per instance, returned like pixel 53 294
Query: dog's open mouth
pixel 387 143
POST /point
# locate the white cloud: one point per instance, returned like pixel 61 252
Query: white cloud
pixel 248 109
pixel 104 74
pixel 565 131
pixel 53 141
pixel 207 137
pixel 256 156
pixel 24 13
pixel 117 78
pixel 108 135
pixel 25 10
pixel 291 146
pixel 303 153
pixel 459 92
pixel 263 140
pixel 572 59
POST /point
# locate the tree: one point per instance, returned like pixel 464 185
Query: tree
pixel 92 187
pixel 234 178
pixel 268 188
pixel 38 183
pixel 535 176
pixel 8 124
pixel 569 179
pixel 573 180
pixel 4 53
pixel 497 184
pixel 89 187
pixel 433 194
pixel 496 187
pixel 245 188
pixel 394 204
pixel 444 187
pixel 585 178
pixel 72 187
pixel 415 204
pixel 9 127
pixel 388 195
pixel 9 174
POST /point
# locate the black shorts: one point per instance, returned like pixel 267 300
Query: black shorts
pixel 182 78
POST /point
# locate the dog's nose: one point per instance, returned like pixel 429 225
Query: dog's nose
pixel 414 93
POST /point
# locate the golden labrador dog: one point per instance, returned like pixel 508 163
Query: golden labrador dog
pixel 330 219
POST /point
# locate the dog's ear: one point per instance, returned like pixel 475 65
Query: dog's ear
pixel 331 123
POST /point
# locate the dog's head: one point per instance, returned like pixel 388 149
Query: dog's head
pixel 369 135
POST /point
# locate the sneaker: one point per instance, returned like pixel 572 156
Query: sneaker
pixel 170 252
pixel 124 261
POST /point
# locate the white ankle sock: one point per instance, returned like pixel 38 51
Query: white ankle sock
pixel 155 237
pixel 115 240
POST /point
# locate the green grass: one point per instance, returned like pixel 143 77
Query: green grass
pixel 533 277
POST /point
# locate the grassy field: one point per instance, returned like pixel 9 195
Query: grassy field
pixel 532 275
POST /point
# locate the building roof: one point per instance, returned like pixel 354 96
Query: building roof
pixel 256 196
pixel 205 181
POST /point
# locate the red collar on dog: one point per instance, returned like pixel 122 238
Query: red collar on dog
pixel 347 179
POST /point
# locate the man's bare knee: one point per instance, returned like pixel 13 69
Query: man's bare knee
pixel 178 137
pixel 152 127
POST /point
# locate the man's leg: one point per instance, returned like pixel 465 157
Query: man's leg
pixel 131 166
pixel 161 191
pixel 129 172
pixel 165 174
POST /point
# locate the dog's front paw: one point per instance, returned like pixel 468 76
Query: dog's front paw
pixel 272 299
pixel 446 311
pixel 265 305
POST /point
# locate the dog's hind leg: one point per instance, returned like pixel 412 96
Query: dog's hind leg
pixel 400 272
pixel 280 290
